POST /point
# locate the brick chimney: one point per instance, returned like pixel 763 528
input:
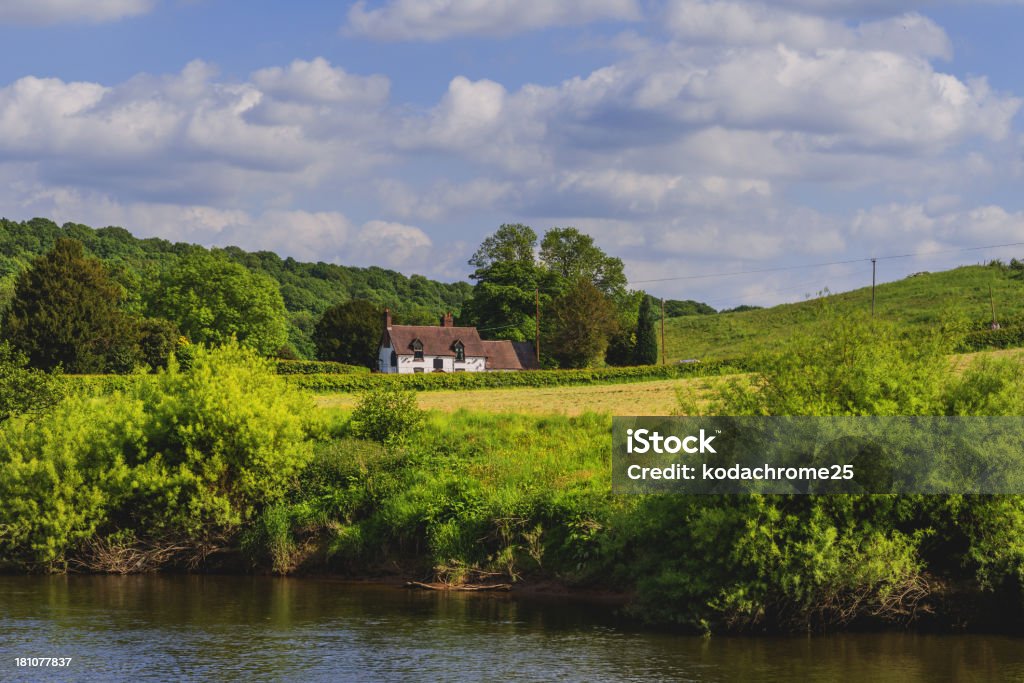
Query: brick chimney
pixel 387 318
pixel 447 321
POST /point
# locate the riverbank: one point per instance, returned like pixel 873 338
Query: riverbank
pixel 228 464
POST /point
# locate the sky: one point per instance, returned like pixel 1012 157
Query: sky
pixel 698 141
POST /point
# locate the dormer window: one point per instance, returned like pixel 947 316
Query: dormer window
pixel 460 352
pixel 417 350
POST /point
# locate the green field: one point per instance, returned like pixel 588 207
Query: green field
pixel 917 301
pixel 643 398
pixel 633 398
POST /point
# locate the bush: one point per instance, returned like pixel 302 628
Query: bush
pixel 24 390
pixel 1008 336
pixel 853 365
pixel 386 414
pixel 182 458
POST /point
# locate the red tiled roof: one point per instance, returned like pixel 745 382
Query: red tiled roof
pixel 436 340
pixel 507 355
pixel 526 353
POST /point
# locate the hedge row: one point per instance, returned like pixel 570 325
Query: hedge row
pixel 1003 338
pixel 317 367
pixel 360 381
pixel 534 378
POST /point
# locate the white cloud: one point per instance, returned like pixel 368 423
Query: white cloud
pixel 750 23
pixel 190 136
pixel 934 226
pixel 318 81
pixel 64 11
pixel 440 19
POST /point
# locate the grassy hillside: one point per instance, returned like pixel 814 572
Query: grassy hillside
pixel 917 301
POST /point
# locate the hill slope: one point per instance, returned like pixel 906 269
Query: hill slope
pixel 916 301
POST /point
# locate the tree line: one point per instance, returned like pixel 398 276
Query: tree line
pixel 137 267
pixel 100 301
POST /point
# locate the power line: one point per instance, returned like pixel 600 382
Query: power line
pixel 829 263
pixel 503 327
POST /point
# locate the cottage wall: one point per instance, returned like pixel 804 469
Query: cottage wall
pixel 406 364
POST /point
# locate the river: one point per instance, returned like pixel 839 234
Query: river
pixel 220 628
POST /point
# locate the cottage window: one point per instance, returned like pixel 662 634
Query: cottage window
pixel 417 369
pixel 394 359
pixel 439 363
pixel 460 352
pixel 417 350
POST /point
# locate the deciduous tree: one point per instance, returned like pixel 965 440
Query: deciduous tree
pixel 213 300
pixel 349 333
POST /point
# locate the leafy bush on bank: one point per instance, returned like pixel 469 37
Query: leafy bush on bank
pixel 179 460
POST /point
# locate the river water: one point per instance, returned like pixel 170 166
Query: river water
pixel 217 628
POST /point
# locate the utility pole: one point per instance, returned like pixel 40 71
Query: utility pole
pixel 537 332
pixel 662 330
pixel 992 301
pixel 873 287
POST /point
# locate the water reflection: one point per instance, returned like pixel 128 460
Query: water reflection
pixel 265 629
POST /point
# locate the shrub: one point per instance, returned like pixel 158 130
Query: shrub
pixel 386 414
pixel 183 458
pixel 24 390
pixel 61 475
pixel 853 365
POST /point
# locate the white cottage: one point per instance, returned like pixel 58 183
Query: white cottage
pixel 406 349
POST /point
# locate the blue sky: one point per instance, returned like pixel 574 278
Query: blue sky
pixel 689 137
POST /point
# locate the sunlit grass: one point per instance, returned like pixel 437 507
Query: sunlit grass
pixel 639 398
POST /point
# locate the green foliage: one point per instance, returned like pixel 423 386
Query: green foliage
pixel 67 312
pixel 307 288
pixel 511 282
pixel 852 365
pixel 349 333
pixel 645 352
pixel 675 308
pixel 533 378
pixel 772 562
pixel 572 256
pixel 1006 337
pixel 583 320
pixel 386 414
pixel 158 339
pixel 61 476
pixel 25 390
pixel 180 458
pixel 317 367
pixel 509 244
pixel 213 300
pixel 504 301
